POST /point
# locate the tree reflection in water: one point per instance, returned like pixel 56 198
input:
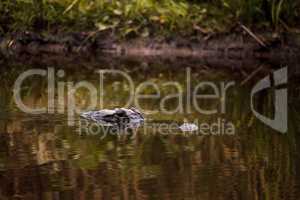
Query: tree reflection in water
pixel 41 157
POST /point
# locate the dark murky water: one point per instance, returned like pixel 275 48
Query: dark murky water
pixel 43 157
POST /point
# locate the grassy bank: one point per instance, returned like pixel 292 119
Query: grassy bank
pixel 148 17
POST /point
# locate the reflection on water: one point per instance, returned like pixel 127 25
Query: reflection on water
pixel 41 157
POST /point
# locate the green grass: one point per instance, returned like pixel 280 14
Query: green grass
pixel 146 17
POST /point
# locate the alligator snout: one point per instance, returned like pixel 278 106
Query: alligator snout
pixel 118 116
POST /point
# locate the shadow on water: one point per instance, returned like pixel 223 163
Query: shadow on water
pixel 42 157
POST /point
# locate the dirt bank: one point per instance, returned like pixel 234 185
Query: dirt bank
pixel 233 46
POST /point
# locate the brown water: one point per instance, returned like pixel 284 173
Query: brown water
pixel 43 157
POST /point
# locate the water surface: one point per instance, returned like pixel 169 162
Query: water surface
pixel 43 157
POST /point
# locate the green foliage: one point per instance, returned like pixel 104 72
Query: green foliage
pixel 276 11
pixel 264 11
pixel 145 17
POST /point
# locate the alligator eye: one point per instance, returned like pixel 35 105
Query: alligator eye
pixel 120 113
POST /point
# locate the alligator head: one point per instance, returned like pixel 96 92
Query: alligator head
pixel 118 116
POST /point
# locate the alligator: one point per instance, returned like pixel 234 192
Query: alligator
pixel 131 117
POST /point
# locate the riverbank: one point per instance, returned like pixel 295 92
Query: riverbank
pixel 241 43
pixel 261 29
